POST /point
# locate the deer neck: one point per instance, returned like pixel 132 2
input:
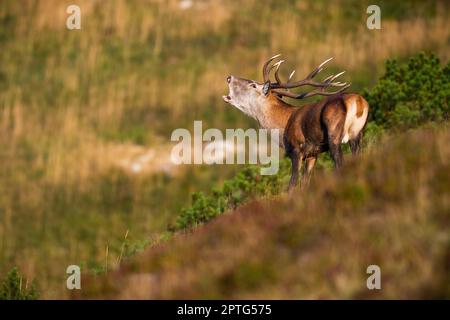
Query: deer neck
pixel 274 113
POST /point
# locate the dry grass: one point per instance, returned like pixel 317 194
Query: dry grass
pixel 87 101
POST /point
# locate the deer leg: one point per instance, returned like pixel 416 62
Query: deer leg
pixel 355 143
pixel 310 163
pixel 335 151
pixel 335 130
pixel 296 165
pixel 336 154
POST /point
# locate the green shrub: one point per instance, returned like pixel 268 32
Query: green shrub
pixel 411 93
pixel 245 185
pixel 13 288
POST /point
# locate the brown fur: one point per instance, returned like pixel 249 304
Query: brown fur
pixel 318 127
pixel 279 111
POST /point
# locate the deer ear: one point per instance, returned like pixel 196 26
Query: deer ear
pixel 266 88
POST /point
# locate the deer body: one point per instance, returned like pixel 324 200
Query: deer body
pixel 308 130
pixel 324 126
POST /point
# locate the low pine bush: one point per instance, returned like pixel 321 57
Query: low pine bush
pixel 14 288
pixel 411 94
pixel 247 184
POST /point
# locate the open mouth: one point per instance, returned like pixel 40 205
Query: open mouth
pixel 227 98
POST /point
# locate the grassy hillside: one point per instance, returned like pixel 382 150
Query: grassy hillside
pixel 408 95
pixel 391 207
pixel 78 109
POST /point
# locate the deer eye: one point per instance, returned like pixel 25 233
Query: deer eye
pixel 253 85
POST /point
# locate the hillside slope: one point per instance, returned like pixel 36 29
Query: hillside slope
pixel 390 207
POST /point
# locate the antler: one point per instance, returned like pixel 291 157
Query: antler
pixel 266 69
pixel 308 81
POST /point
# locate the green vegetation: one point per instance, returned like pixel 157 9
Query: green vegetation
pixel 411 94
pixel 247 184
pixel 14 288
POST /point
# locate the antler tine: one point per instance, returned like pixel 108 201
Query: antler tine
pixel 265 66
pixel 336 76
pixel 329 80
pixel 318 69
pixel 277 66
pixel 289 79
pixel 291 75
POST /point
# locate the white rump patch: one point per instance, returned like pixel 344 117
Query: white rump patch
pixel 353 125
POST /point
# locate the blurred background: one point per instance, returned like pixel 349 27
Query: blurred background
pixel 86 115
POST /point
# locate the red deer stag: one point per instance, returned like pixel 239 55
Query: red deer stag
pixel 310 129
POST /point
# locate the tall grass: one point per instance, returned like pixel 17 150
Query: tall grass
pixel 74 104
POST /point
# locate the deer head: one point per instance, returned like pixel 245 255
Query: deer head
pixel 246 95
pixel 249 96
pixel 253 98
